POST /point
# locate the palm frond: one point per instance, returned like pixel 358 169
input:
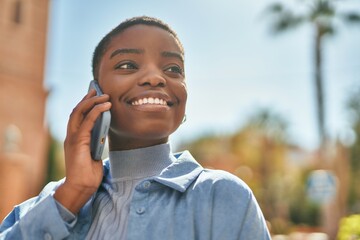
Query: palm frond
pixel 327 30
pixel 322 10
pixel 283 18
pixel 351 17
pixel 275 8
pixel 286 22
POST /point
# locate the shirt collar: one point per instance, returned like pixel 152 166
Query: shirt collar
pixel 181 173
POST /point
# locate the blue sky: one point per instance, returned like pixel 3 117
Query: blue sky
pixel 233 65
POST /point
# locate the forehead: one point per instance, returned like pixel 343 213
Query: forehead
pixel 144 36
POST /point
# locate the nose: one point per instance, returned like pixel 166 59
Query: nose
pixel 153 78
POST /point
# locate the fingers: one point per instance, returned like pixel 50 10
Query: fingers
pixel 90 107
pixel 90 118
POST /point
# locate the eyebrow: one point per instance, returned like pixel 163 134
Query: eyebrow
pixel 126 51
pixel 141 51
pixel 173 54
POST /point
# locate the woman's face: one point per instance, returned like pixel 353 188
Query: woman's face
pixel 143 72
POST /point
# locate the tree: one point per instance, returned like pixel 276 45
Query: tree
pixel 257 153
pixel 353 105
pixel 322 16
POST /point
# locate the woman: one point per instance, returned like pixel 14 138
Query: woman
pixel 143 191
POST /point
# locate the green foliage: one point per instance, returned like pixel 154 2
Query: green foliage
pixel 258 153
pixel 302 210
pixel 321 13
pixel 353 105
pixel 349 228
pixel 272 125
pixel 322 16
pixel 283 18
pixel 55 169
pixel 305 212
pixel 352 17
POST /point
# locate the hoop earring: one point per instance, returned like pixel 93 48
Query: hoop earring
pixel 184 119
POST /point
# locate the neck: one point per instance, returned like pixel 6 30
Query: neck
pixel 141 162
pixel 120 144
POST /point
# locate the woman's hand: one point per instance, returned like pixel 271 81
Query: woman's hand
pixel 83 174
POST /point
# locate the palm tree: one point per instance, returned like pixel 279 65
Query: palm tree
pixel 322 16
pixel 353 105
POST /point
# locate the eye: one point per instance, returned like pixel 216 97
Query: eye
pixel 126 66
pixel 174 69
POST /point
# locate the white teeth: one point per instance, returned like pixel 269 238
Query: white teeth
pixel 150 100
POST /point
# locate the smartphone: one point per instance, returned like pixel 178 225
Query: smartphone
pixel 101 128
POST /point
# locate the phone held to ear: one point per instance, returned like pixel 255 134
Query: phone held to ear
pixel 101 128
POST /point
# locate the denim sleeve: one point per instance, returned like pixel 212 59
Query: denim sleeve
pixel 254 225
pixel 34 221
pixel 238 215
pixel 66 215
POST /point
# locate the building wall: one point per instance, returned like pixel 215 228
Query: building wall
pixel 23 131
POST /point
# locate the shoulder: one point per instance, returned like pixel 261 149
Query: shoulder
pixel 226 195
pixel 222 181
pixel 211 179
pixel 222 176
pixel 234 205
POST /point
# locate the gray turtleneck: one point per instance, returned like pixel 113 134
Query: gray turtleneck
pixel 111 204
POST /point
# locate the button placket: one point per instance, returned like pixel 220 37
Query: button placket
pixel 140 210
pixel 143 191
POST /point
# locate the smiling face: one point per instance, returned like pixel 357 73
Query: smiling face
pixel 143 72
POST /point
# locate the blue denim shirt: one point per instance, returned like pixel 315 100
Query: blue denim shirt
pixel 185 201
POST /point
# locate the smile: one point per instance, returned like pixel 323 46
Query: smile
pixel 149 101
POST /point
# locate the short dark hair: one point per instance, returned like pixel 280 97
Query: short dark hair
pixel 105 41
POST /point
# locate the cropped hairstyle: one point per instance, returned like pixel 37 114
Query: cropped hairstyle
pixel 105 41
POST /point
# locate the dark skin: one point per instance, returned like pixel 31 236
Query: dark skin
pixel 142 76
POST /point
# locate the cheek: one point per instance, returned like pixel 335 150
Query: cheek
pixel 115 84
pixel 114 117
pixel 181 94
pixel 181 91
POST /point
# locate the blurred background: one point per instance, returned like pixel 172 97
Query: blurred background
pixel 274 98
